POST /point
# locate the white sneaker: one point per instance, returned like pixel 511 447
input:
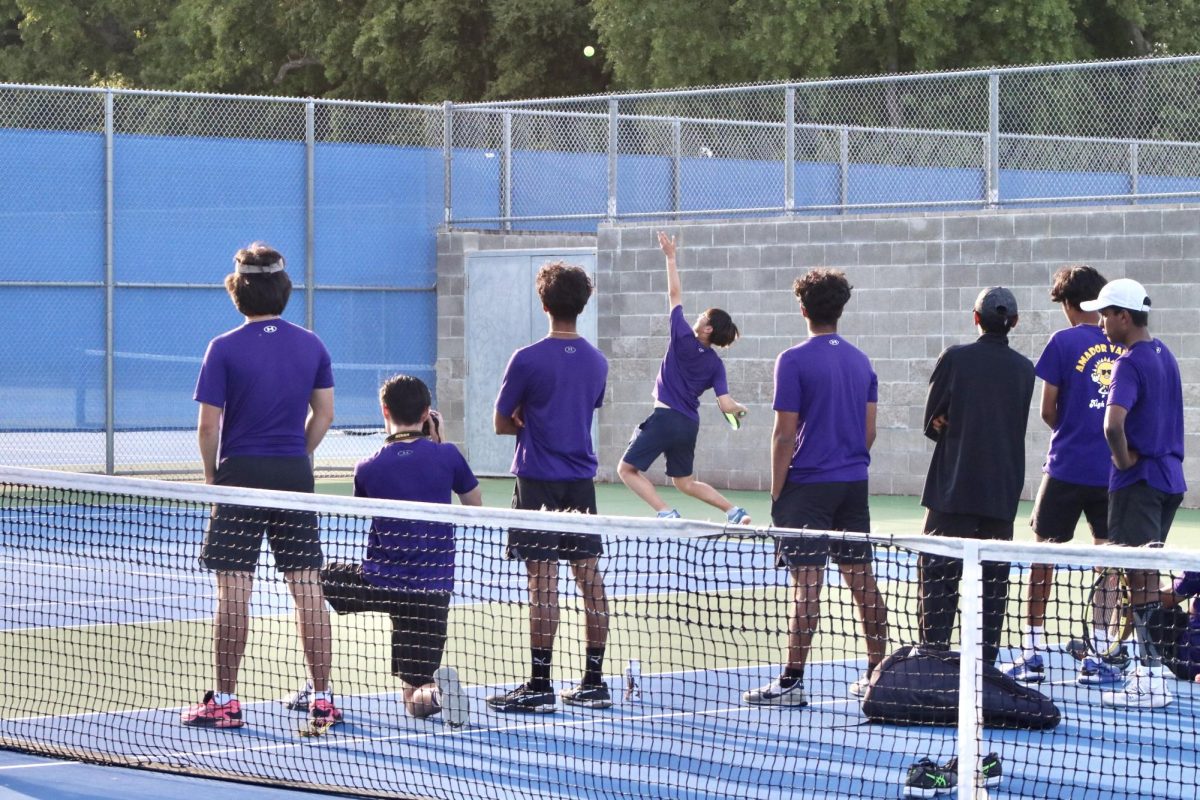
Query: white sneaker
pixel 860 686
pixel 456 706
pixel 1143 690
pixel 773 694
pixel 299 699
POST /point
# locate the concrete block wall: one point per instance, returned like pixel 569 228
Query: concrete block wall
pixel 915 277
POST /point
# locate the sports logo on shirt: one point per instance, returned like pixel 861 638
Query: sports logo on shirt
pixel 403 453
pixel 835 341
pixel 568 349
pixel 1102 375
pixel 270 329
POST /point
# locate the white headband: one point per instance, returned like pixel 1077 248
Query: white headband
pixel 257 269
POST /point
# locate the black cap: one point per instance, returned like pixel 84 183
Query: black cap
pixel 997 303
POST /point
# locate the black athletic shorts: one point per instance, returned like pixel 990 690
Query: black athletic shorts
pixel 533 495
pixel 665 431
pixel 1058 506
pixel 419 619
pixel 1139 515
pixel 967 526
pixel 840 506
pixel 234 535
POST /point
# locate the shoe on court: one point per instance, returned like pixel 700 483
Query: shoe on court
pixel 1027 670
pixel 1097 672
pixel 990 770
pixel 324 713
pixel 207 714
pixel 587 695
pixel 860 686
pixel 773 694
pixel 524 700
pixel 456 706
pixel 670 513
pixel 927 779
pixel 738 516
pixel 1143 690
pixel 1118 658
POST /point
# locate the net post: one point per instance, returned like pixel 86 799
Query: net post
pixel 969 674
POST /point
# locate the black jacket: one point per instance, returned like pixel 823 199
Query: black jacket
pixel 978 465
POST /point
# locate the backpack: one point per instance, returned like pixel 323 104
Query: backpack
pixel 918 686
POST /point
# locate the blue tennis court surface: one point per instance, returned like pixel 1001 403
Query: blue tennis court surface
pixel 688 738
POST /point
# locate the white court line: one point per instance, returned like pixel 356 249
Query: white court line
pixel 93 602
pixel 175 576
pixel 37 766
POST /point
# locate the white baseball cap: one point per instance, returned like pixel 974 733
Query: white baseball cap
pixel 1122 293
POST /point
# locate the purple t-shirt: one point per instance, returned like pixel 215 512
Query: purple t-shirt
pixel 1146 383
pixel 558 384
pixel 406 554
pixel 262 376
pixel 1079 361
pixel 1188 585
pixel 688 370
pixel 828 382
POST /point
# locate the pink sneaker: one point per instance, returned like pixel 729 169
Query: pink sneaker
pixel 323 714
pixel 207 714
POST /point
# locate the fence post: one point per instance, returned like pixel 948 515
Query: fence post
pixel 613 144
pixel 992 151
pixel 844 167
pixel 676 166
pixel 110 416
pixel 1134 171
pixel 789 150
pixel 447 158
pixel 506 188
pixel 310 199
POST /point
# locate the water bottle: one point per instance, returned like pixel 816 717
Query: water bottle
pixel 633 681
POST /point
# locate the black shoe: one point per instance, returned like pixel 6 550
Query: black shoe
pixel 587 695
pixel 525 700
pixel 990 769
pixel 927 779
pixel 1119 658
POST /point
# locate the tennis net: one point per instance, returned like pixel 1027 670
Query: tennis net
pixel 108 638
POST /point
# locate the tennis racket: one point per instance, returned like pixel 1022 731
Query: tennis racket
pixel 734 418
pixel 1107 619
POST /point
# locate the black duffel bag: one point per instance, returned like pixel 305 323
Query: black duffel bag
pixel 919 686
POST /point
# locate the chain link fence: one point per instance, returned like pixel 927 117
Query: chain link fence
pixel 122 213
pixel 1104 132
pixel 122 209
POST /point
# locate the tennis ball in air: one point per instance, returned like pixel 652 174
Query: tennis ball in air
pixel 589 51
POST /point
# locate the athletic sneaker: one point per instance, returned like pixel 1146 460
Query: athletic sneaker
pixel 1118 659
pixel 525 700
pixel 1144 690
pixel 587 695
pixel 1027 670
pixel 669 513
pixel 324 713
pixel 927 779
pixel 207 714
pixel 860 686
pixel 738 516
pixel 773 694
pixel 990 770
pixel 456 706
pixel 1097 672
pixel 299 699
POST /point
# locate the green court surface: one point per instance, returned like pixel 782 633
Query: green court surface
pixel 889 513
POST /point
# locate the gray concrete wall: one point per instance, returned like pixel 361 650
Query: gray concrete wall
pixel 915 279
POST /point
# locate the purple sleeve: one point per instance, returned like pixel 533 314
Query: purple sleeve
pixel 679 327
pixel 1126 384
pixel 873 389
pixel 210 384
pixel 1188 584
pixel 324 379
pixel 787 386
pixel 512 388
pixel 603 381
pixel 1049 364
pixel 358 487
pixel 464 479
pixel 720 383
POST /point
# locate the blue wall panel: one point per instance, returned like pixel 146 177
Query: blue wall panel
pixel 52 206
